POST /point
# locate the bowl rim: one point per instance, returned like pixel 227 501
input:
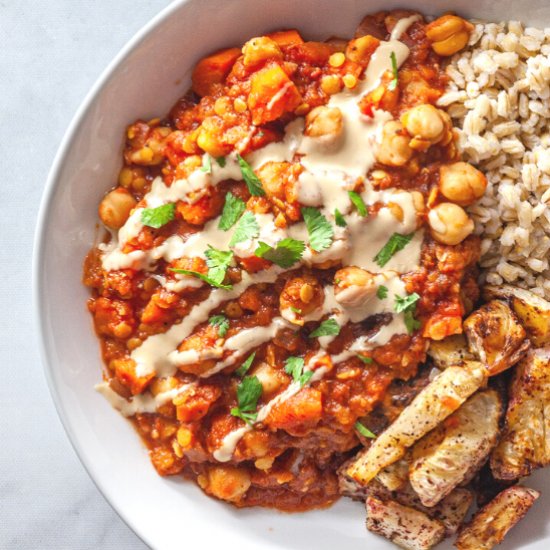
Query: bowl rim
pixel 37 281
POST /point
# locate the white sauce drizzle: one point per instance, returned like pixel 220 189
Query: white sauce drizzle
pixel 330 170
pixel 402 26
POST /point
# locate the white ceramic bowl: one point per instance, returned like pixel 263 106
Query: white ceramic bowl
pixel 144 80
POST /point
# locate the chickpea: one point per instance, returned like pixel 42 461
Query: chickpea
pixel 303 293
pixel 449 34
pixel 226 482
pixel 461 183
pixel 353 286
pixel 325 122
pixel 209 138
pixel 427 125
pixel 269 378
pixel 274 176
pixel 115 208
pixel 394 149
pixel 260 49
pixel 449 223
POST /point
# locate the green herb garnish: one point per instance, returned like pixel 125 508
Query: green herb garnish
pixel 285 254
pixel 393 84
pixel 220 321
pixel 364 431
pixel 201 276
pixel 407 306
pixel 382 292
pixel 366 360
pixel 247 228
pixel 251 179
pixel 206 164
pixel 327 328
pixel 339 218
pixel 296 310
pixel 221 162
pixel 243 369
pixel 319 229
pixel 295 367
pixel 395 243
pixel 248 393
pixel 159 216
pixel 217 261
pixel 359 203
pixel 233 209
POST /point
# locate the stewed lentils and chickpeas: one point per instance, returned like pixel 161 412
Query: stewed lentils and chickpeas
pixel 282 248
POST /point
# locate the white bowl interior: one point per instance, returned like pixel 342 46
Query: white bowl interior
pixel 144 81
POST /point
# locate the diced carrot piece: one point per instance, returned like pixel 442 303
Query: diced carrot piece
pixel 314 53
pixel 272 94
pixel 298 413
pixel 212 70
pixel 125 371
pixel 253 264
pixel 286 38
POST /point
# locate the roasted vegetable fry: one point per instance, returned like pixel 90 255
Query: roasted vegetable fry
pixel 489 526
pixel 395 475
pixel 405 526
pixel 532 310
pixel 450 511
pixel 453 350
pixel 456 449
pixel 525 444
pixel 445 393
pixel 496 336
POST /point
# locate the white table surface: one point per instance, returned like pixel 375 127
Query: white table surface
pixel 51 52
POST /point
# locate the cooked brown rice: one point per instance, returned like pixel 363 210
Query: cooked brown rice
pixel 499 95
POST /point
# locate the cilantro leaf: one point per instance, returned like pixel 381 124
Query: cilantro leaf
pixel 286 253
pixel 364 431
pixel 407 306
pixel 159 216
pixel 221 161
pixel 201 276
pixel 296 310
pixel 382 292
pixel 251 179
pixel 319 229
pixel 366 360
pixel 295 367
pixel 339 218
pixel 220 321
pixel 408 303
pixel 393 84
pixel 395 243
pixel 217 261
pixel 243 369
pixel 247 228
pixel 359 203
pixel 232 211
pixel 206 164
pixel 248 393
pixel 327 328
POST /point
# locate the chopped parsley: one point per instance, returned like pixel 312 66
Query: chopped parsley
pixel 206 164
pixel 247 228
pixel 248 393
pixel 250 178
pixel 233 209
pixel 295 367
pixel 285 254
pixel 319 229
pixel 243 369
pixel 217 261
pixel 395 243
pixel 393 84
pixel 359 203
pixel 221 162
pixel 366 360
pixel 382 292
pixel 407 306
pixel 327 328
pixel 201 276
pixel 296 310
pixel 220 321
pixel 159 216
pixel 364 431
pixel 339 218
